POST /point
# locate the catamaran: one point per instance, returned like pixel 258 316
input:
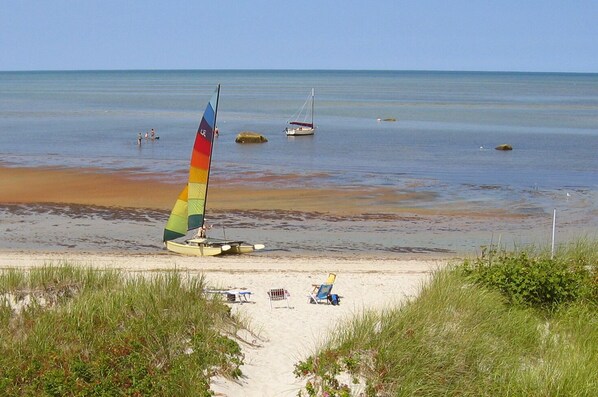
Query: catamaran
pixel 305 126
pixel 189 210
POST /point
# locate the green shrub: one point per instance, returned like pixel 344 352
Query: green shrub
pixel 534 281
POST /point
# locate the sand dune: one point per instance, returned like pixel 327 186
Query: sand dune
pixel 283 336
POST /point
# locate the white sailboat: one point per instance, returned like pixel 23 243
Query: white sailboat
pixel 188 212
pixel 305 126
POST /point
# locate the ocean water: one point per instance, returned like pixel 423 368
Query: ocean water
pixel 447 125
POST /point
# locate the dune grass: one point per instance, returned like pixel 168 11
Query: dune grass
pixel 72 331
pixel 482 328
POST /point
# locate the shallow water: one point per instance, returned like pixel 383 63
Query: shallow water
pixel 442 142
pixel 448 123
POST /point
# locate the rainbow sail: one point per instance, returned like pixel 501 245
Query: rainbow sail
pixel 189 209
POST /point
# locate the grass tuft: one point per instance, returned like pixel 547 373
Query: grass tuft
pixel 466 336
pixel 67 330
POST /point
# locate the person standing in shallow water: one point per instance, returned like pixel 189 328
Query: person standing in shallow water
pixel 139 139
pixel 153 134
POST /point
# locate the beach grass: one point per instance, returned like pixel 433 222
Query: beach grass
pixel 68 330
pixel 505 324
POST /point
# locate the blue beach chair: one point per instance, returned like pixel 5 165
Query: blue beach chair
pixel 321 294
pixel 330 280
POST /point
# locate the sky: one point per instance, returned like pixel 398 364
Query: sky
pixel 482 35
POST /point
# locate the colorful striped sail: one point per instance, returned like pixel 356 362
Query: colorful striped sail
pixel 189 209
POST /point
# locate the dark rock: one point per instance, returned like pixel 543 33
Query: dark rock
pixel 504 146
pixel 250 137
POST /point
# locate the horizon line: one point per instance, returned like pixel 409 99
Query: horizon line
pixel 296 70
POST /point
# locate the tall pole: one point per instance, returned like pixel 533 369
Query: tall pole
pixel 205 201
pixel 312 108
pixel 553 233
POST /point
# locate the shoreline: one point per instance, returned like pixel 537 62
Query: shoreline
pixel 241 264
pixel 262 260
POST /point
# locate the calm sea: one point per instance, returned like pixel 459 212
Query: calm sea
pixel 447 125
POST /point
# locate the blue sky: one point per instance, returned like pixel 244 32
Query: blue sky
pixel 507 35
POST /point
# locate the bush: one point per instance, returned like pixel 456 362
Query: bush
pixel 538 282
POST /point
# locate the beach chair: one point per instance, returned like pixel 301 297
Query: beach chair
pixel 241 296
pixel 278 294
pixel 330 280
pixel 238 296
pixel 321 294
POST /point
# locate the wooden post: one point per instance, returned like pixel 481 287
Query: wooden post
pixel 553 232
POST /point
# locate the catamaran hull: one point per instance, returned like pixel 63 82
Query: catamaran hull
pixel 299 131
pixel 213 249
pixel 195 249
pixel 242 248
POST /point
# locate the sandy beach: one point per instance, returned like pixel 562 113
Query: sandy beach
pixel 283 336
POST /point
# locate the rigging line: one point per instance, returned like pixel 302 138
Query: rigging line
pixel 296 116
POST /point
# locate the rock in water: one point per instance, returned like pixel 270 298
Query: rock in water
pixel 250 137
pixel 504 146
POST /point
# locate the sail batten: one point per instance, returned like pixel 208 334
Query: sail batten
pixel 189 210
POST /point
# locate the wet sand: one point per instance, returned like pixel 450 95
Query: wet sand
pixel 93 210
pixel 126 189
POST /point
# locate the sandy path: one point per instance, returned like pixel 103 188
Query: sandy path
pixel 285 335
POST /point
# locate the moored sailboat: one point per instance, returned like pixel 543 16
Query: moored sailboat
pixel 306 126
pixel 188 212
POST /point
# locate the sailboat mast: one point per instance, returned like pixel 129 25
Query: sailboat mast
pixel 312 108
pixel 203 221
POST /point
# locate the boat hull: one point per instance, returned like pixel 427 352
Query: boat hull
pixel 239 247
pixel 195 249
pixel 207 248
pixel 299 131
